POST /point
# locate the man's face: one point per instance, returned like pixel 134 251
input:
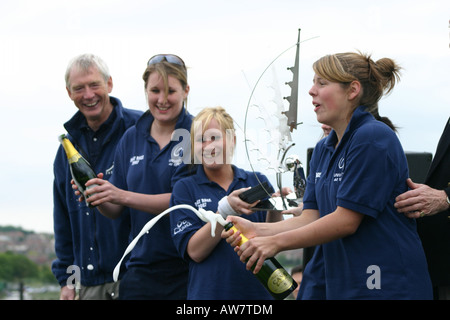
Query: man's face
pixel 90 93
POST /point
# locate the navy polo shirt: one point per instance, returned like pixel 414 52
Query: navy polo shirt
pixel 95 139
pixel 221 275
pixel 365 173
pixel 141 166
pixel 84 237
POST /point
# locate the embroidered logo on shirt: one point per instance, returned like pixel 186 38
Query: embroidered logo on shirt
pixel 109 171
pixel 341 163
pixel 176 157
pixel 318 174
pixel 135 160
pixel 202 202
pixel 337 176
pixel 175 162
pixel 181 226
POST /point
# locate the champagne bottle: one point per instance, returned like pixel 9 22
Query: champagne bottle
pixel 272 275
pixel 80 168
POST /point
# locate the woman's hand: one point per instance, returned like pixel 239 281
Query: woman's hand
pixel 103 191
pixel 294 211
pixel 78 192
pixel 239 205
pixel 243 226
pixel 256 250
pixel 89 183
pixel 284 191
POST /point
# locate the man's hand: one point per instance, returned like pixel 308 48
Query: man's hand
pixel 421 200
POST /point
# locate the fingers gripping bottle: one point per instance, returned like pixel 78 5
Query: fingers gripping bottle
pixel 272 275
pixel 80 168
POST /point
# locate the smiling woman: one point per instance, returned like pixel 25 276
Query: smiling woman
pixel 213 139
pixel 141 184
pixel 214 186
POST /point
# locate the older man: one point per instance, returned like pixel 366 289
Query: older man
pixel 87 244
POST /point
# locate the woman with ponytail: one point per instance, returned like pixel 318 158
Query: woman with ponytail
pixel 365 248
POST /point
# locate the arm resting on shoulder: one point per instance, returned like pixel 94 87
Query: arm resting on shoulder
pixel 421 200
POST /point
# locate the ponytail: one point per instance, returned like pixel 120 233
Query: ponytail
pixel 376 78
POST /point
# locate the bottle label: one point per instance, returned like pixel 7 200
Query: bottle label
pixel 279 281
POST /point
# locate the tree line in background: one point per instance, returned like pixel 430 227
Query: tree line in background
pixel 17 267
pixel 18 270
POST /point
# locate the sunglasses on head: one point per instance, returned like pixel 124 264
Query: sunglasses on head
pixel 171 58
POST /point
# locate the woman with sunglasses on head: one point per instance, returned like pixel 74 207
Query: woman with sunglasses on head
pixel 146 161
pixel 365 249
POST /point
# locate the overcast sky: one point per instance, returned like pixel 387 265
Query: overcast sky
pixel 227 45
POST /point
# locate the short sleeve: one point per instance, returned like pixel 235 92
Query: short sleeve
pixel 373 167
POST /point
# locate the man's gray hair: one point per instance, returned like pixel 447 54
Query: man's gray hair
pixel 86 61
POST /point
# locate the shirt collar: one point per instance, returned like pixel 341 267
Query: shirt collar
pixel 359 116
pixel 239 174
pixel 146 120
pixel 78 121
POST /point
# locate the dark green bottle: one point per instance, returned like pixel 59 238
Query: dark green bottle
pixel 80 168
pixel 272 275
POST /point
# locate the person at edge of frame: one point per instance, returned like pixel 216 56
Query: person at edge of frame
pixel 431 201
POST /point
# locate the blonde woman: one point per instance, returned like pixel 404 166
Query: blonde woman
pixel 215 271
pixel 366 249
